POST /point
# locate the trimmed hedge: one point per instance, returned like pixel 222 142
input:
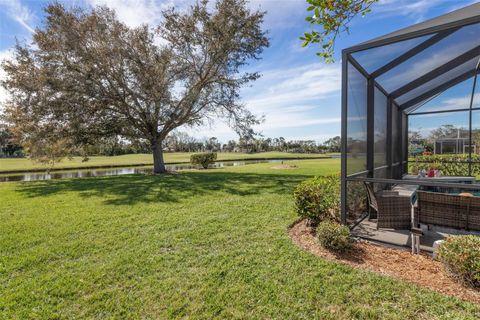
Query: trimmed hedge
pixel 318 199
pixel 203 159
pixel 461 256
pixel 334 236
pixel 448 164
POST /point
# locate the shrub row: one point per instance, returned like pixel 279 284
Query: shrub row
pixel 451 165
pixel 318 200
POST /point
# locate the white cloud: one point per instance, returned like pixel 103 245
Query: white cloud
pixel 285 87
pixel 284 119
pixel 5 54
pixel 315 137
pixel 290 119
pixel 418 10
pixel 461 4
pixel 137 12
pixel 19 13
pixel 280 14
pixel 296 97
pixel 455 103
pixel 415 9
pixel 451 103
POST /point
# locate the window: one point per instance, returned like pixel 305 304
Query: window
pixel 356 121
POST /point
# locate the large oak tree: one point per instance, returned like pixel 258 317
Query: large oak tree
pixel 88 76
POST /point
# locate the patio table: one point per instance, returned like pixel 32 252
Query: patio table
pixel 408 190
pixel 452 179
pixel 411 189
pixel 405 189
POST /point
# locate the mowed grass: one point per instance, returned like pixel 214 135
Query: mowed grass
pixel 142 159
pixel 199 244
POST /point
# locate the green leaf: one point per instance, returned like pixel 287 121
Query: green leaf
pixel 333 16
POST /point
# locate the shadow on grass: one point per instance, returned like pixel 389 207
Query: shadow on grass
pixel 131 189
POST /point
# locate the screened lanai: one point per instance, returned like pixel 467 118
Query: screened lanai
pixel 409 90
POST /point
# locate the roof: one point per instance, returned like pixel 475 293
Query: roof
pixel 419 62
pixel 463 16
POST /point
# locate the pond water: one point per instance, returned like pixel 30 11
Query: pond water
pixel 83 173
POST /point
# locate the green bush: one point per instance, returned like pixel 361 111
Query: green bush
pixel 461 256
pixel 318 199
pixel 334 236
pixel 203 159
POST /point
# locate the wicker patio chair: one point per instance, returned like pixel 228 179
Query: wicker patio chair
pixel 394 211
pixel 448 210
pixel 473 222
pixel 389 208
pixel 372 201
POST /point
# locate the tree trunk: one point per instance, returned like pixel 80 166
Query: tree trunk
pixel 158 162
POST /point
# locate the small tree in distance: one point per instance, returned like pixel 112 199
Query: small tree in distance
pixel 203 159
pixel 88 76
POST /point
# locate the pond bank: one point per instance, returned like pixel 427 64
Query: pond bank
pixel 109 166
pixel 123 170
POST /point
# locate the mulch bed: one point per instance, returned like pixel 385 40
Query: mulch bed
pixel 421 269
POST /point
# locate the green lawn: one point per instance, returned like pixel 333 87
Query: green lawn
pixel 139 159
pixel 199 244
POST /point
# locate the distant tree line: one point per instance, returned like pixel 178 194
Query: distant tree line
pixel 183 142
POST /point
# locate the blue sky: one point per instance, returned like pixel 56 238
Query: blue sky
pixel 298 94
